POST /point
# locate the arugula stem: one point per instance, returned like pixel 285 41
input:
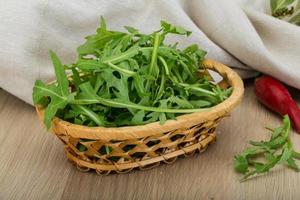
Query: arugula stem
pixel 115 59
pixel 46 90
pixel 165 65
pixel 153 62
pixel 117 104
pixel 89 113
pixel 161 87
pixel 296 155
pixel 187 86
pixel 177 75
pixel 125 71
pixel 185 67
pixel 264 169
pixel 99 83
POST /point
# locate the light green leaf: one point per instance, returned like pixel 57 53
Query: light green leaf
pixel 292 164
pixel 138 118
pixel 61 78
pixel 57 92
pixel 99 120
pixel 200 103
pixel 131 30
pixel 84 65
pixel 169 28
pixel 240 164
pixel 286 154
pixel 295 19
pixel 102 28
pixel 279 4
pixel 296 155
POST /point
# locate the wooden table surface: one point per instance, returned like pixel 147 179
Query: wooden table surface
pixel 33 164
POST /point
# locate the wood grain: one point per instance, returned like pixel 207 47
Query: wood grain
pixel 33 165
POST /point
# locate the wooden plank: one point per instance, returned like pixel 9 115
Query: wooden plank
pixel 33 165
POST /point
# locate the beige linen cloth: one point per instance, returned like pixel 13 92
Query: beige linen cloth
pixel 238 33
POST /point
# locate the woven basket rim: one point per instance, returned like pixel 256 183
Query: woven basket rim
pixel 60 126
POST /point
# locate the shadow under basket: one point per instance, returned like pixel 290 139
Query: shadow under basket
pixel 122 149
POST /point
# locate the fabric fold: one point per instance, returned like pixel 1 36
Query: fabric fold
pixel 238 33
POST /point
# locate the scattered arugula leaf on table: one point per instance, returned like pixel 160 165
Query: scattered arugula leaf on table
pixel 277 150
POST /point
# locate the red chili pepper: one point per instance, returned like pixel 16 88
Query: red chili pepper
pixel 275 96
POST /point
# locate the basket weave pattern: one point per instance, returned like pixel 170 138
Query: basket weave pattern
pixel 187 141
pixel 122 149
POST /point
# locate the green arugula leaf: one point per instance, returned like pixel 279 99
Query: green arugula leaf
pixel 245 162
pixel 296 18
pixel 292 164
pixel 279 4
pixel 122 56
pixel 102 29
pixel 98 119
pixel 287 10
pixel 97 42
pixel 277 131
pixel 261 168
pixel 296 155
pixel 286 153
pixel 131 30
pixel 240 164
pixel 138 118
pixel 58 92
pixel 297 6
pixel 200 103
pixel 169 28
pixel 61 78
pixel 269 156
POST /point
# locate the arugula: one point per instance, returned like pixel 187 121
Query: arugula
pixel 128 78
pixel 279 4
pixel 277 150
pixel 58 92
pixel 286 9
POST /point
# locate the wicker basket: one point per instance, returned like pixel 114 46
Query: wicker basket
pixel 148 145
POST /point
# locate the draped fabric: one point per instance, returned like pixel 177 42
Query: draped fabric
pixel 238 33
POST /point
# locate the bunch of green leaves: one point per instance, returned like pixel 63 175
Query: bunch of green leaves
pixel 286 9
pixel 277 150
pixel 128 78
